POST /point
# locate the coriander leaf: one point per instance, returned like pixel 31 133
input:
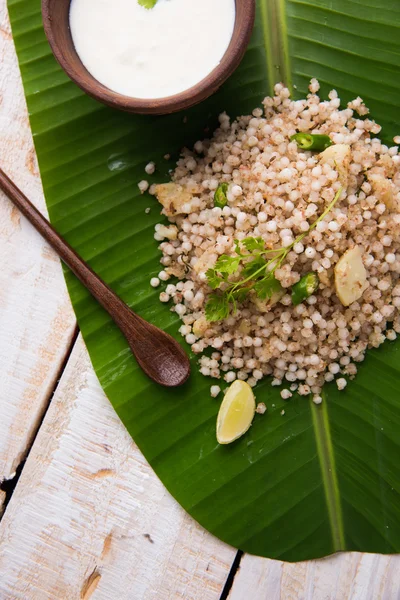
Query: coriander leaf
pixel 253 266
pixel 237 248
pixel 240 294
pixel 213 279
pixel 251 244
pixel 148 3
pixel 267 287
pixel 217 308
pixel 227 264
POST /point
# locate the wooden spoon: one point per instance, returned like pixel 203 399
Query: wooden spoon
pixel 158 354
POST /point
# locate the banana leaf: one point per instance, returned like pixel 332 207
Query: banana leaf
pixel 299 485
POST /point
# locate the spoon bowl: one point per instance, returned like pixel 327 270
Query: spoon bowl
pixel 170 365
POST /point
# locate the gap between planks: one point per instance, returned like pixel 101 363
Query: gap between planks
pixel 89 518
pixel 7 486
pixel 24 453
pixel 36 317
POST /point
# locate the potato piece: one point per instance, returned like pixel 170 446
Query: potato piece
pixel 176 271
pixel 206 261
pixel 387 165
pixel 350 277
pixel 174 198
pixel 265 306
pixel 169 233
pixel 245 326
pixel 200 326
pixel 325 277
pixel 383 190
pixel 338 156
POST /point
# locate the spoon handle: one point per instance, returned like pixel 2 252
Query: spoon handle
pixel 159 355
pixel 96 286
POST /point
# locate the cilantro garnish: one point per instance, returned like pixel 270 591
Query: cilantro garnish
pixel 257 274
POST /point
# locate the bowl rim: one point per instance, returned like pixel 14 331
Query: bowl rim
pixel 200 91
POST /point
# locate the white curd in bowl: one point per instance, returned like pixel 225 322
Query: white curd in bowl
pixel 151 53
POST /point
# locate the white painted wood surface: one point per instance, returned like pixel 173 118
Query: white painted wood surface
pixel 36 318
pixel 341 577
pixel 89 519
pixel 88 513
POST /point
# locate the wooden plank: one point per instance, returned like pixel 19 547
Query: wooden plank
pixel 36 318
pixel 347 576
pixel 90 519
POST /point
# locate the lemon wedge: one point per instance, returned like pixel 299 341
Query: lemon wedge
pixel 236 413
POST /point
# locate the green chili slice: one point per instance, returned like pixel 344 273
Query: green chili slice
pixel 304 288
pixel 309 141
pixel 220 199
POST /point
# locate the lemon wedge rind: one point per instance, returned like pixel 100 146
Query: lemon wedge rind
pixel 236 413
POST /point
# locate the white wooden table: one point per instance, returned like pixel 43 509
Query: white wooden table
pixel 83 515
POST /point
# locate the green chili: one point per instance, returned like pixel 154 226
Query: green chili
pixel 304 288
pixel 309 141
pixel 220 199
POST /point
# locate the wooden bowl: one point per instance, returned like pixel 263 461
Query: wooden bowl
pixel 56 25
